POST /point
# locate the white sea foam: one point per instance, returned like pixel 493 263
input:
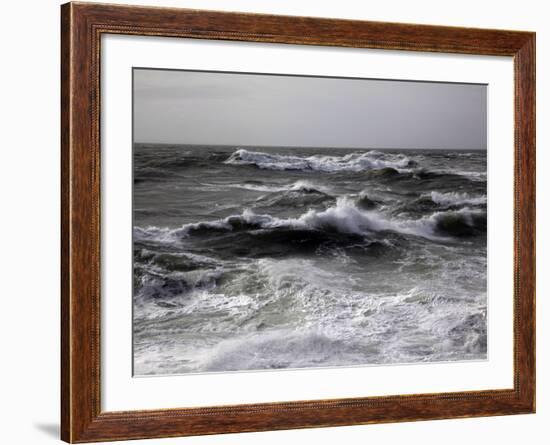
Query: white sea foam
pixel 153 233
pixel 306 313
pixel 279 349
pixel 455 198
pixel 298 186
pixel 353 162
pixel 345 217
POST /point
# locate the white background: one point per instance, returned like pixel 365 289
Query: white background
pixel 29 80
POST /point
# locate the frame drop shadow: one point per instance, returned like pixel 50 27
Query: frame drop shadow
pixel 49 429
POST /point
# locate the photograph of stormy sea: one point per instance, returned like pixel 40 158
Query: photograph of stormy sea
pixel 299 222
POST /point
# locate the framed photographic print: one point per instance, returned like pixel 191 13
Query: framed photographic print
pixel 274 222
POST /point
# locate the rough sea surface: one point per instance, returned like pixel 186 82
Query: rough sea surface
pixel 267 258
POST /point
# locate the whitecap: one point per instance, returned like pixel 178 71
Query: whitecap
pixel 344 217
pixel 456 198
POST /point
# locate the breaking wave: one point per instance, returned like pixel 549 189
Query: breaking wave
pixel 344 218
pixel 301 186
pixel 353 162
pixel 456 199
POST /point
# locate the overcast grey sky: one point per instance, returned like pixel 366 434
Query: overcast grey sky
pixel 187 107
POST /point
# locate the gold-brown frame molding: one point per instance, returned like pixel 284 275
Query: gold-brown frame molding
pixel 82 25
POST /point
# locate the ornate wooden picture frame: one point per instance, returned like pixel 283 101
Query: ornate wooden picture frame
pixel 82 25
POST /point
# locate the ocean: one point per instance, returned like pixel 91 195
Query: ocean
pixel 258 258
